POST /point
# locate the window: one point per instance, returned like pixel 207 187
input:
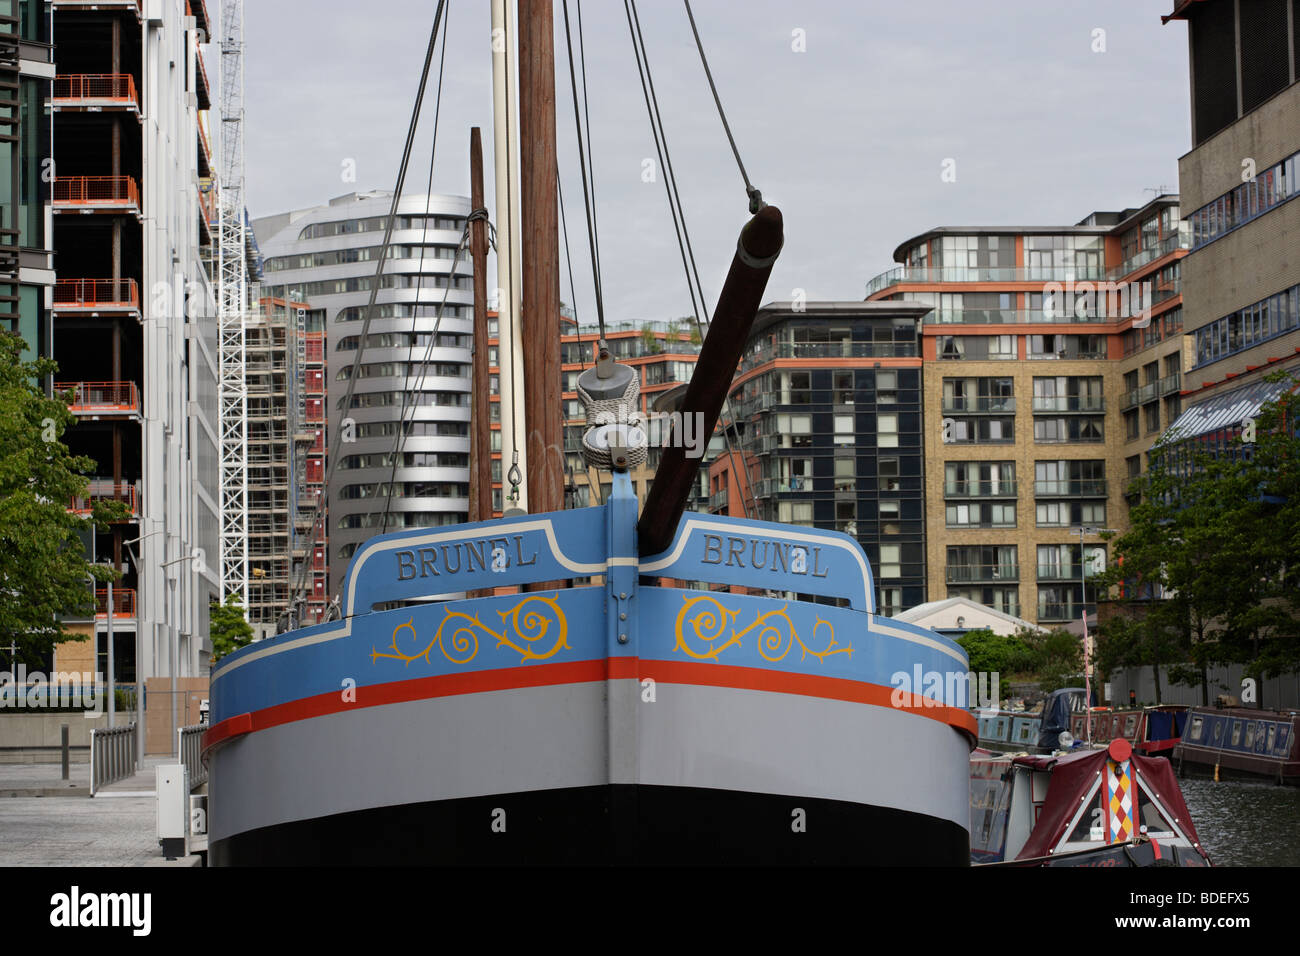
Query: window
pixel 845 470
pixel 1131 430
pixel 1069 514
pixel 886 388
pixel 977 347
pixel 982 562
pixel 890 602
pixel 795 512
pixel 843 385
pixel 844 429
pixel 1152 415
pixel 976 479
pixel 846 517
pixel 890 561
pixel 886 431
pixel 980 514
pixel 887 471
pixel 979 431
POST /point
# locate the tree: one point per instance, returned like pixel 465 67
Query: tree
pixel 44 573
pixel 229 630
pixel 1207 572
pixel 1055 657
pixel 991 653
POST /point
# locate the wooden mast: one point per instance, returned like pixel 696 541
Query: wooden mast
pixel 480 500
pixel 539 242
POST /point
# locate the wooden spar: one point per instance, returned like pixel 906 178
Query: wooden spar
pixel 742 293
pixel 480 501
pixel 540 245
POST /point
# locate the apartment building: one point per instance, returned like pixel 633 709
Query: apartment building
pixel 26 250
pixel 415 368
pixel 664 354
pixel 1051 361
pixel 1242 274
pixel 826 421
pixel 287 548
pixel 134 316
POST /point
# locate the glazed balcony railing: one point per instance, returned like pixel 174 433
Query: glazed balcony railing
pixel 123 602
pixel 1170 383
pixel 1182 239
pixel 102 294
pixel 1140 396
pixel 1058 612
pixel 1069 403
pixel 101 489
pixel 101 398
pixel 89 89
pixel 1070 488
pixel 1062 572
pixel 96 191
pixel 772 486
pixel 844 349
pixel 991 404
pixel 970 573
pixel 980 489
pixel 927 274
pixel 1006 317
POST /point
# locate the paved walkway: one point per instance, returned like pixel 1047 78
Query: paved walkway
pixel 117 827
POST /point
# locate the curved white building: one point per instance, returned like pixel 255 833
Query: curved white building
pixel 326 256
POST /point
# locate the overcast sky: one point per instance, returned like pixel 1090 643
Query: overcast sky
pixel 848 136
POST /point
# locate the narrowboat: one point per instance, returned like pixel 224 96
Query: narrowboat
pixel 1241 742
pixel 1091 807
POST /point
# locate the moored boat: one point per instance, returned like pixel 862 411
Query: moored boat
pixel 1241 742
pixel 1093 807
pixel 610 722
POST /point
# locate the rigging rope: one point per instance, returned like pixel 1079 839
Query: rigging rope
pixel 582 160
pixel 400 438
pixel 675 208
pixel 319 514
pixel 568 258
pixel 755 197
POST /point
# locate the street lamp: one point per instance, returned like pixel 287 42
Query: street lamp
pixel 1087 640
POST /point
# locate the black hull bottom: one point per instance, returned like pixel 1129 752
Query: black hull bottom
pixel 611 824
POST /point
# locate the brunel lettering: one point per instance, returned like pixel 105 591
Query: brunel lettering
pixel 476 555
pixel 762 553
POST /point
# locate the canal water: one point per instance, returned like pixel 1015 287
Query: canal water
pixel 1245 824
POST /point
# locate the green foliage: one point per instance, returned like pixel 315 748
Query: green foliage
pixel 996 653
pixel 43 568
pixel 229 630
pixel 1220 536
pixel 1056 657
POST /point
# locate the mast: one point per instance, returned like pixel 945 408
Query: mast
pixel 540 242
pixel 505 142
pixel 480 499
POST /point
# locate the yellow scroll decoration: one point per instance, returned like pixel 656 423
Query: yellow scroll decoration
pixel 521 630
pixel 706 633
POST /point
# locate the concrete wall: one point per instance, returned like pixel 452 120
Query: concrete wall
pixel 37 737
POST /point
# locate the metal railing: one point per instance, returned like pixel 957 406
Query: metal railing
pixel 1006 488
pixel 105 489
pixel 1070 487
pixel 901 274
pixel 967 573
pixel 97 293
pixel 991 404
pixel 123 602
pixel 1140 396
pixel 189 744
pixel 118 87
pixel 113 756
pixel 101 397
pixel 1069 403
pixel 96 191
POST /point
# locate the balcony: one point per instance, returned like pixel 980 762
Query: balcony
pixel 1070 488
pixel 99 6
pixel 980 405
pixel 1068 403
pixel 1058 612
pixel 123 603
pixel 95 296
pixel 1006 317
pixel 773 486
pixel 981 573
pixel 1182 239
pixel 88 195
pixel 926 274
pixel 102 400
pixel 844 349
pixel 205 150
pixel 1170 383
pixel 1060 572
pixel 980 489
pixel 718 500
pixel 96 92
pixel 1140 396
pixel 203 90
pixel 105 489
pixel 198 9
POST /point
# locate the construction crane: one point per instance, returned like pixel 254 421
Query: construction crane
pixel 232 279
